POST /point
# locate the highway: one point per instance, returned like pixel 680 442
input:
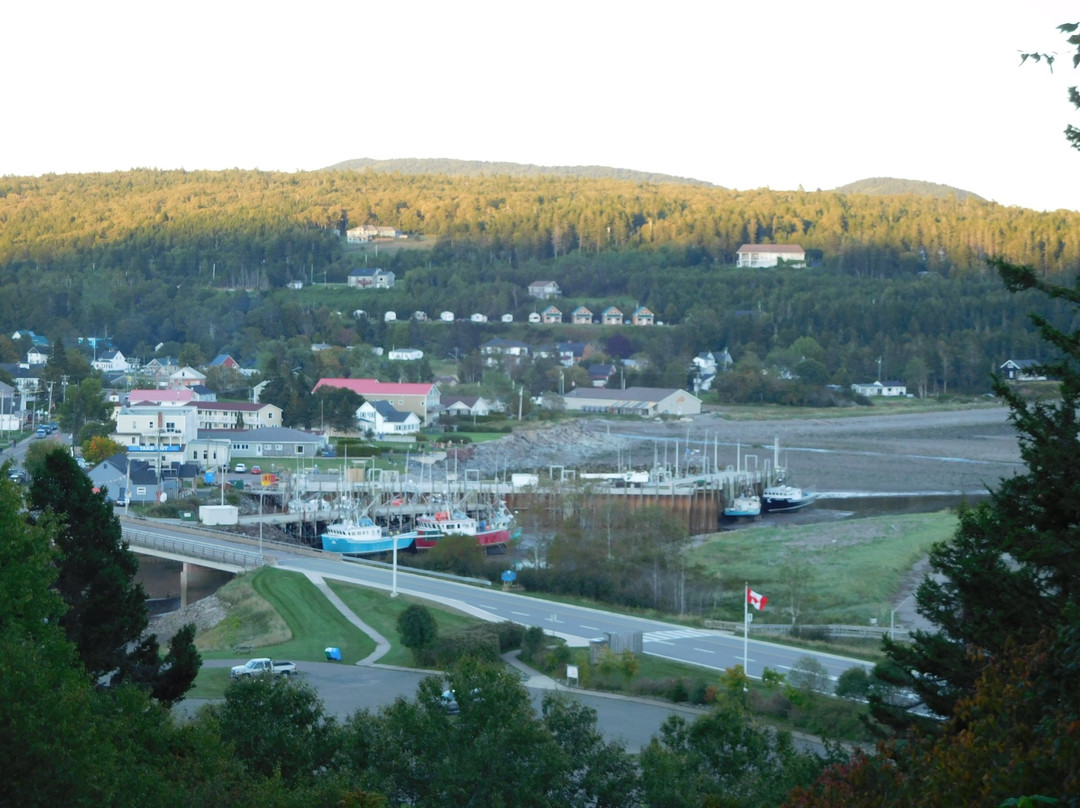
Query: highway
pixel 716 650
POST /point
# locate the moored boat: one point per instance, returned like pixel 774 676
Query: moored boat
pixel 746 505
pixel 361 536
pixel 490 531
pixel 780 497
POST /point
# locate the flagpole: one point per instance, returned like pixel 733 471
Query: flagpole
pixel 746 630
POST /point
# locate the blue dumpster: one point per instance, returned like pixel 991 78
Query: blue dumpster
pixel 333 654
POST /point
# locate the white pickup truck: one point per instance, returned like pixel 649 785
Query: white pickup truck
pixel 261 666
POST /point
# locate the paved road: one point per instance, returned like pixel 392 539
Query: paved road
pixel 346 689
pixel 577 624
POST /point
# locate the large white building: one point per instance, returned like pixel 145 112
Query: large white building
pixel 770 255
pixel 644 401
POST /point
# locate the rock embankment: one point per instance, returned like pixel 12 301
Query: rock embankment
pixel 572 444
pixel 205 614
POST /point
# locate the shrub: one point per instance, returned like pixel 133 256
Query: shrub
pixel 533 643
pixel 477 642
pixel 854 683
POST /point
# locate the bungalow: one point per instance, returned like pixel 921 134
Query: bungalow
pixel 463 406
pixel 581 316
pixel 642 316
pixel 371 279
pixel 551 316
pixel 883 389
pixel 382 419
pixel 611 316
pixel 1022 370
pixel 544 289
pixel 770 255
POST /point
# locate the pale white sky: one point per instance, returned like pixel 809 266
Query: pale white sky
pixel 744 95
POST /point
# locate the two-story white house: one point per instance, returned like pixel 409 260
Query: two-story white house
pixel 371 279
pixel 111 361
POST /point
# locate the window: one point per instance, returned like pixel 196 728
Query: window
pixel 277 447
pixel 299 449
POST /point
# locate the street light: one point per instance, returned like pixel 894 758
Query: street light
pixel 892 616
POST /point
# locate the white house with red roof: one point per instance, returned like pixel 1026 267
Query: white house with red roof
pixel 421 398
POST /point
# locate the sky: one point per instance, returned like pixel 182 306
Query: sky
pixel 743 95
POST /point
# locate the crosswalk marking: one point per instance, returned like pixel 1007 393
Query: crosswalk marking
pixel 674 634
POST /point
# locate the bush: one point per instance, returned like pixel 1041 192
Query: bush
pixel 477 642
pixel 533 643
pixel 809 675
pixel 510 635
pixel 854 683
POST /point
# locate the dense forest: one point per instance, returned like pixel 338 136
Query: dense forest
pixel 201 260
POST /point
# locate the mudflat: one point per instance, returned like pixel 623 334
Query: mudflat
pixel 961 451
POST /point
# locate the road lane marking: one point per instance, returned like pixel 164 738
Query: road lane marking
pixel 523 614
pixel 705 650
pixel 590 628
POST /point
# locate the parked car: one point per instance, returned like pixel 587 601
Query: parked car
pixel 256 470
pixel 262 665
pixel 239 468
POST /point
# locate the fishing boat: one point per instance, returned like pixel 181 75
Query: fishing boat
pixel 780 497
pixel 747 505
pixel 360 535
pixel 496 529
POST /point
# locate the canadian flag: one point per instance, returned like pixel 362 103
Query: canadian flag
pixel 755 600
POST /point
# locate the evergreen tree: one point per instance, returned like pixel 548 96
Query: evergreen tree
pixel 106 609
pixel 1012 569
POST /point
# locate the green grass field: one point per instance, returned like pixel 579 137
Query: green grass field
pixel 839 572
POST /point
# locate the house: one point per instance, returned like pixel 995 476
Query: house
pixel 581 316
pixel 37 355
pixel 27 379
pixel 369 232
pixel 371 279
pixel 419 398
pixel 111 361
pixel 464 406
pixel 186 377
pixel 495 351
pixel 31 338
pixel 884 389
pixel 571 353
pixel 551 316
pixel 770 255
pixel 405 355
pixel 1022 370
pixel 201 392
pixel 601 374
pixel 707 365
pixel 125 479
pixel 224 361
pixel 159 369
pixel 544 289
pixel 611 316
pixel 642 316
pixel 644 401
pixel 382 419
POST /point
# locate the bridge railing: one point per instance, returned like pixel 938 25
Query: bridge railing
pixel 189 547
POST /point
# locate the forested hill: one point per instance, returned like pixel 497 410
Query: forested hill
pixel 890 186
pixel 483 168
pixel 203 259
